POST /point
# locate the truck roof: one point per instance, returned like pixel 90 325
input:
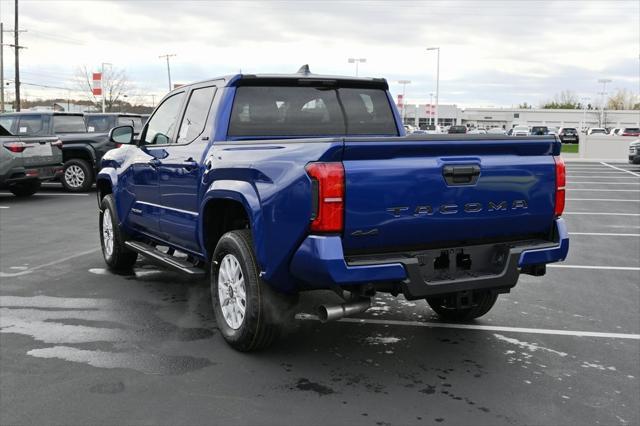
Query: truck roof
pixel 301 78
pixel 42 113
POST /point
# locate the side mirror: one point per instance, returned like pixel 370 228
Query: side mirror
pixel 121 134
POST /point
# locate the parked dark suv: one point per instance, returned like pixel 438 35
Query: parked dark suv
pixel 458 129
pixel 569 135
pixel 539 130
pixel 81 150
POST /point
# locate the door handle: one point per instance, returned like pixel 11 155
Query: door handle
pixel 461 175
pixel 190 165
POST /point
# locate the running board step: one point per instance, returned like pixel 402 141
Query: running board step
pixel 163 259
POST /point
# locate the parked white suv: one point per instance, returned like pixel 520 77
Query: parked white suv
pixel 597 130
pixel 520 131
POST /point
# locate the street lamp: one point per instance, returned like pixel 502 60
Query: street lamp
pixel 404 101
pixel 584 111
pixel 437 80
pixel 357 61
pixel 430 108
pixel 604 82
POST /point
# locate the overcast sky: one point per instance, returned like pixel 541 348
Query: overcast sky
pixel 493 53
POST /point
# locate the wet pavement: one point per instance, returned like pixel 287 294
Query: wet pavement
pixel 80 345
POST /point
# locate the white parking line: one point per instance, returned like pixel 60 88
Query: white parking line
pixel 55 262
pixel 604 199
pixel 604 234
pixel 45 194
pixel 4 207
pixel 487 328
pixel 605 268
pixel 603 213
pixel 624 170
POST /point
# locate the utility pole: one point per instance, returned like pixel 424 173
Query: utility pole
pixel 1 68
pixel 102 85
pixel 167 56
pixel 17 56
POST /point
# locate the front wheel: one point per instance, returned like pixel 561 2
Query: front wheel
pixel 25 189
pixel 446 305
pixel 116 255
pixel 248 312
pixel 77 176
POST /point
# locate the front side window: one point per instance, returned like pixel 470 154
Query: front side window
pixel 195 116
pixel 162 125
pixel 68 124
pixel 33 125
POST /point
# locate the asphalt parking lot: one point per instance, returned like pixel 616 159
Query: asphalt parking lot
pixel 79 345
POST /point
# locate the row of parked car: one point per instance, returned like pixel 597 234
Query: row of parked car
pixel 40 146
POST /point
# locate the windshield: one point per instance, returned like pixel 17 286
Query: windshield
pixel 521 128
pixel 310 111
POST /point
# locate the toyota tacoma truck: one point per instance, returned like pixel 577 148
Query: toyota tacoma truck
pixel 25 162
pixel 272 185
pixel 82 150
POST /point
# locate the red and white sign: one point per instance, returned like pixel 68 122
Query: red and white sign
pixel 97 84
pixel 431 109
pixel 400 101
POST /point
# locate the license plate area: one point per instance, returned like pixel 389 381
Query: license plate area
pixel 460 263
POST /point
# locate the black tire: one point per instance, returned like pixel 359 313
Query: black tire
pixel 119 258
pixel 25 189
pixel 265 310
pixel 77 175
pixel 445 306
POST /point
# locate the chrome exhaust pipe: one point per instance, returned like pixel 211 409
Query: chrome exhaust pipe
pixel 335 312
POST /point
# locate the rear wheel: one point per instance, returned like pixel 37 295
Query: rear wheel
pixel 248 312
pixel 447 306
pixel 77 176
pixel 25 189
pixel 116 255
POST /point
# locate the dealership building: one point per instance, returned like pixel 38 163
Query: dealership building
pixel 508 117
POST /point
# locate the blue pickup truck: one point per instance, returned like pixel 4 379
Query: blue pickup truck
pixel 272 185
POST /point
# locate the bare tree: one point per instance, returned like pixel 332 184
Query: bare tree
pixel 563 100
pixel 115 84
pixel 622 99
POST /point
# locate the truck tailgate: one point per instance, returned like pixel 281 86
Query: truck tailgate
pixel 410 193
pixel 40 152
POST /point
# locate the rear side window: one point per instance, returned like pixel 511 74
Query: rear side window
pixel 68 124
pixel 195 116
pixel 33 125
pixel 631 130
pixel 290 111
pixel 98 123
pixel 9 123
pixel 136 122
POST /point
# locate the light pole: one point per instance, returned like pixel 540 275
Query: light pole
pixel 102 85
pixel 431 108
pixel 357 61
pixel 437 80
pixel 584 112
pixel 404 101
pixel 604 82
pixel 167 56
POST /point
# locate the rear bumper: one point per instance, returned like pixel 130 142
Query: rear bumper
pixel 320 263
pixel 21 174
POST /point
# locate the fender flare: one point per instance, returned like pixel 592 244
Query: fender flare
pixel 80 147
pixel 244 193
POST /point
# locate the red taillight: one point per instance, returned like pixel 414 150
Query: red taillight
pixel 57 144
pixel 15 146
pixel 328 193
pixel 561 181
